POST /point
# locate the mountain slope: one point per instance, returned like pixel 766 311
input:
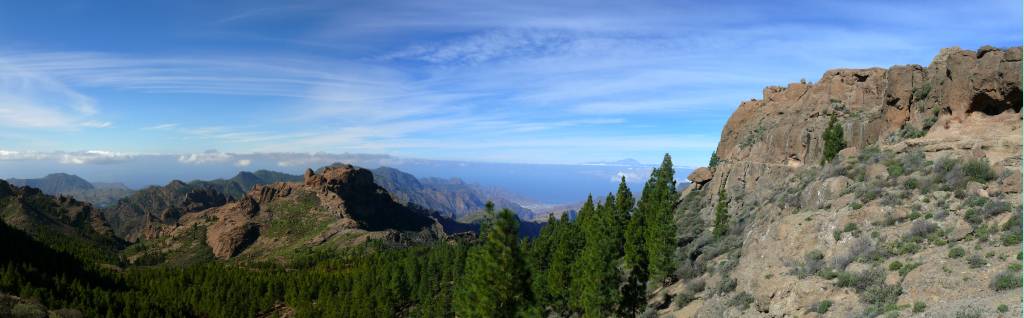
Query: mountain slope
pixel 131 217
pixel 241 183
pixel 916 213
pixel 452 197
pixel 338 207
pixel 62 222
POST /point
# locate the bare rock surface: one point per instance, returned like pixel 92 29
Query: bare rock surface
pixel 931 165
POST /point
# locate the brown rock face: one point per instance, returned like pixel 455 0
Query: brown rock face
pixel 871 104
pixel 897 123
pixel 342 199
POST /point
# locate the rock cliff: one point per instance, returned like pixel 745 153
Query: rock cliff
pixel 932 163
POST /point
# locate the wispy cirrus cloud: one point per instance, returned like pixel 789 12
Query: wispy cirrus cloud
pixel 482 79
pixel 30 99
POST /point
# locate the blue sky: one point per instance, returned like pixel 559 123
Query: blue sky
pixel 501 81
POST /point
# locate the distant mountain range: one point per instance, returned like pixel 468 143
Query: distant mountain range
pixel 452 197
pixel 133 213
pixel 99 194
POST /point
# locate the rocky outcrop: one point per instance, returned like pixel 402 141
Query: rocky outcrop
pixel 872 104
pixel 340 206
pixel 60 220
pixel 140 214
pixel 700 176
pixel 911 132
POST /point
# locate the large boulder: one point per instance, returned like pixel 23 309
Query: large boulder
pixel 700 176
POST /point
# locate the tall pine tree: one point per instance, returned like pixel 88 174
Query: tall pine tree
pixel 660 229
pixel 495 283
pixel 599 275
pixel 567 247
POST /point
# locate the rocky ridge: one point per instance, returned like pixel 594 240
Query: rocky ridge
pixel 59 221
pixel 932 165
pixel 340 206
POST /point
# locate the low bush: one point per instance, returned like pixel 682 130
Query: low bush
pixel 1008 279
pixel 821 307
pixel 921 228
pixel 956 252
pixel 725 286
pixel 1003 308
pixel 979 170
pixel 895 265
pixel 683 299
pixel 919 306
pixel 861 281
pixel 742 301
pixel 907 268
pixel 922 91
pixel 969 312
pixel 856 248
pixel 695 286
pixel 1014 223
pixel 1011 238
pixel 881 294
pixel 905 246
pixel 976 261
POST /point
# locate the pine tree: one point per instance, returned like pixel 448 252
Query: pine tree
pixel 660 227
pixel 539 257
pixel 584 222
pixel 599 274
pixel 721 214
pixel 495 283
pixel 634 293
pixel 623 208
pixel 713 162
pixel 567 247
pixel 833 137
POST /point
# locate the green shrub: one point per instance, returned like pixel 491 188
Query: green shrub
pixel 911 184
pixel 969 312
pixel 976 261
pixel 929 121
pixel 919 306
pixel 1011 238
pixel 821 307
pixel 850 227
pixel 1013 224
pixel 978 170
pixel 683 299
pixel 909 132
pixel 741 301
pixel 906 246
pixel 907 268
pixel 861 281
pixel 727 285
pixel 713 162
pixel 833 137
pixel 1006 280
pixel 922 91
pixel 1003 308
pixel 895 265
pixel 895 168
pixel 881 294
